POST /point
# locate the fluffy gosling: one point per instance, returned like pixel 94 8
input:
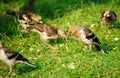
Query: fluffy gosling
pixel 108 17
pixel 25 17
pixel 11 58
pixel 47 31
pixel 86 36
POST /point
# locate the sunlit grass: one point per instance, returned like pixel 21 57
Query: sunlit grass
pixel 68 59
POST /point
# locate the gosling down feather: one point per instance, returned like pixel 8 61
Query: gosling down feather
pixel 86 36
pixel 11 58
pixel 25 17
pixel 108 17
pixel 47 31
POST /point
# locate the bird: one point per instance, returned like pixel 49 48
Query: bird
pixel 86 36
pixel 25 17
pixel 47 31
pixel 108 17
pixel 11 58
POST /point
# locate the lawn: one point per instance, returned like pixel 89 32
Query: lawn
pixel 68 59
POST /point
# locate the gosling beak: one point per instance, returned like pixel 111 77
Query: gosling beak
pixel 66 38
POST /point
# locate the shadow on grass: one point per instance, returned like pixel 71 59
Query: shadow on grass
pixel 117 25
pixel 26 69
pixel 57 41
pixel 107 47
pixel 8 26
pixel 54 8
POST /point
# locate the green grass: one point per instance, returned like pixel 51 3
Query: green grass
pixel 68 59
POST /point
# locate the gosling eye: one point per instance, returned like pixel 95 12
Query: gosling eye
pixel 70 32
